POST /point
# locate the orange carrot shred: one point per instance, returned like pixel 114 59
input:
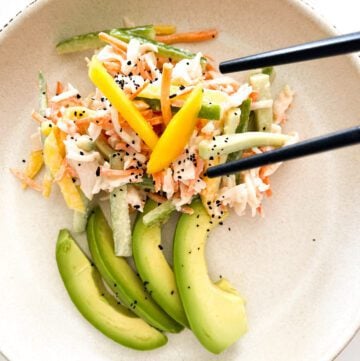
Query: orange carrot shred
pixel 189 37
pixel 26 180
pixel 156 198
pixel 37 117
pixel 253 96
pixel 112 67
pixel 139 90
pixel 165 92
pixel 187 210
pixel 117 44
pixel 59 88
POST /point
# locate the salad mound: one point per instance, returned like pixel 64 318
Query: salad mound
pixel 157 119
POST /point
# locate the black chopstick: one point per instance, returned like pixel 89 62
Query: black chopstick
pixel 313 50
pixel 323 143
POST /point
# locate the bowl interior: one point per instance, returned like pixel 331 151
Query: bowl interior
pixel 298 267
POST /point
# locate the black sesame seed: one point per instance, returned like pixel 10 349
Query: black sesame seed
pixel 172 292
pixel 128 62
pixel 78 96
pixel 160 247
pixel 181 87
pixel 81 153
pixel 172 96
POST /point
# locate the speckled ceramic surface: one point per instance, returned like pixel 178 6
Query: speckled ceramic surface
pixel 298 268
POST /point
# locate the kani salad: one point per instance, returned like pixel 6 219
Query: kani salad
pixel 158 117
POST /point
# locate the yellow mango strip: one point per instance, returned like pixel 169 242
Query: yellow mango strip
pixel 34 165
pixel 47 184
pixel 164 29
pixel 107 85
pixel 177 134
pixel 53 158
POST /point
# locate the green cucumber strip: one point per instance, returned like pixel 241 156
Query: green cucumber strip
pixel 226 144
pixel 242 127
pixel 244 117
pixel 270 70
pixel 232 120
pixel 160 214
pixel 103 147
pixel 146 184
pixel 264 117
pixel 91 40
pixel 120 218
pixel 252 123
pixel 164 50
pixel 207 111
pixel 80 219
pixel 42 93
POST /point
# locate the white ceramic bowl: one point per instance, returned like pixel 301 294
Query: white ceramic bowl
pixel 299 267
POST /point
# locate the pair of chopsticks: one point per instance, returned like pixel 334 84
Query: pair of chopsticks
pixel 309 51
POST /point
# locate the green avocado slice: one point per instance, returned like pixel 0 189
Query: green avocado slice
pixel 118 274
pixel 86 290
pixel 154 269
pixel 216 312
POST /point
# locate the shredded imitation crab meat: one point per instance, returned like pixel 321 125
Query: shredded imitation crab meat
pixel 82 121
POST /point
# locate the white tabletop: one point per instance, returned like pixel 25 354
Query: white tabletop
pixel 344 14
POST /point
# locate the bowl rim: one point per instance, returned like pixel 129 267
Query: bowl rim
pixel 311 12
